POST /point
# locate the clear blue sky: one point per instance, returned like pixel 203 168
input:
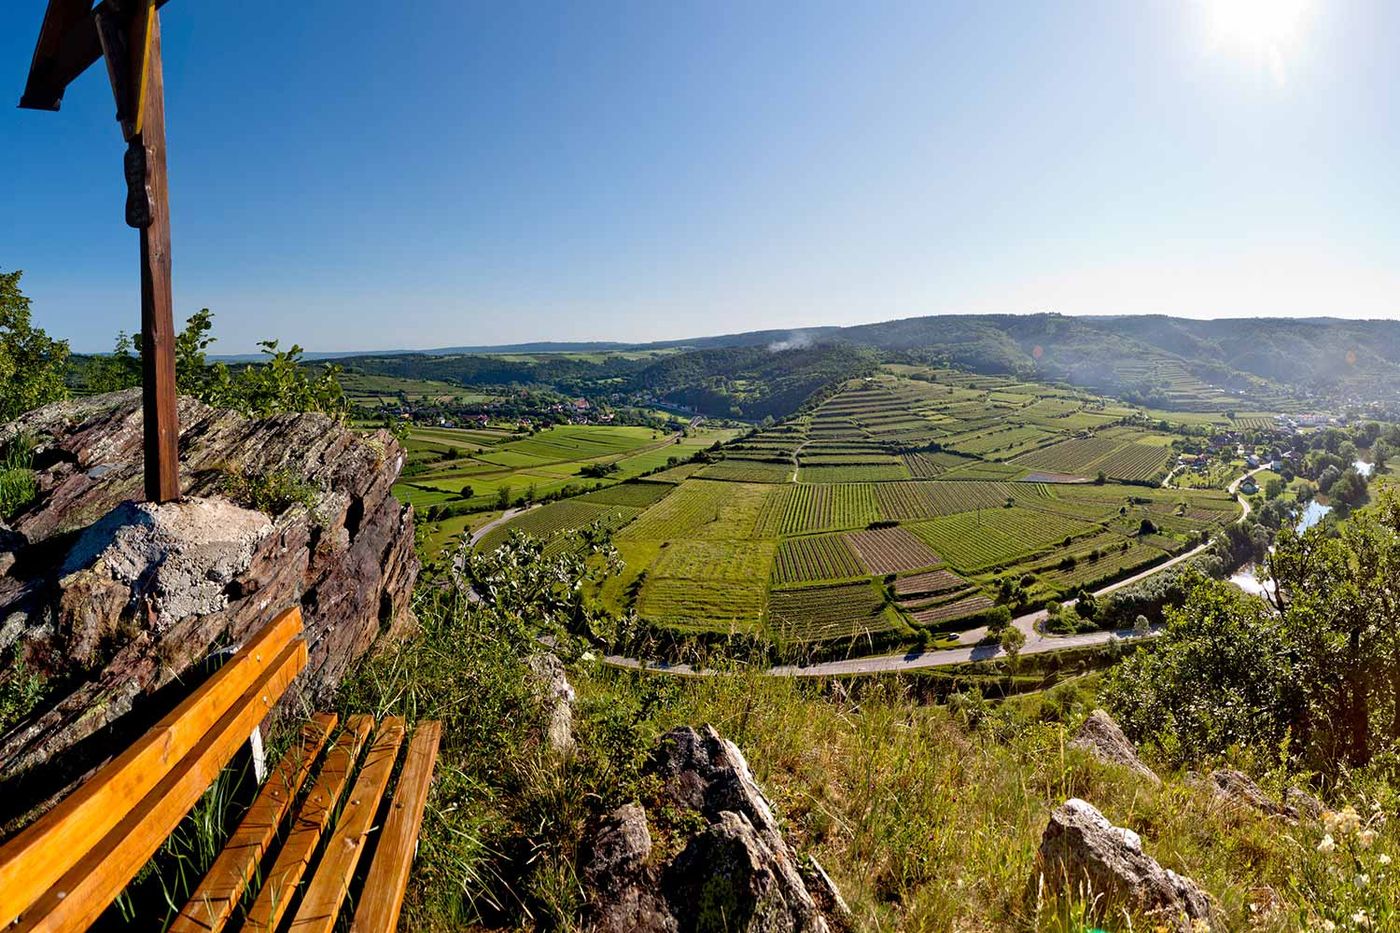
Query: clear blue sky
pixel 355 174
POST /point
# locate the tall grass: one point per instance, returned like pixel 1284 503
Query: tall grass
pixel 18 485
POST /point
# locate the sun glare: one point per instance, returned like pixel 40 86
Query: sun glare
pixel 1265 32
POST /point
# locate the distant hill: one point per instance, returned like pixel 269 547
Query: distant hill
pixel 1153 360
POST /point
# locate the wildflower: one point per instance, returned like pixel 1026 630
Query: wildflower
pixel 1328 926
pixel 1348 821
pixel 1383 859
pixel 1327 844
pixel 1362 880
pixel 1360 919
pixel 1366 837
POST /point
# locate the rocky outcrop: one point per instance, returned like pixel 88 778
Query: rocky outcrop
pixel 1082 853
pixel 732 868
pixel 1236 790
pixel 1100 736
pixel 1303 803
pixel 113 600
pixel 557 698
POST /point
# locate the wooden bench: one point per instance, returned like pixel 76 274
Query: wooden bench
pixel 64 870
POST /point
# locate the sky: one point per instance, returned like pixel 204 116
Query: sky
pixel 368 174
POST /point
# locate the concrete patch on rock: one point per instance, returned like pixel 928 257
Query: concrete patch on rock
pixel 180 556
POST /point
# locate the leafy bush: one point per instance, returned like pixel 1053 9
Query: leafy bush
pixel 283 382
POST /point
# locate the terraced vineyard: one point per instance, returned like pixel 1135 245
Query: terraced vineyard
pixel 897 504
pixel 891 550
pixel 815 557
pixel 810 508
pixel 977 541
pixel 948 612
pixel 1117 457
pixel 913 501
pixel 748 471
pixel 703 509
pixel 558 523
pixel 847 612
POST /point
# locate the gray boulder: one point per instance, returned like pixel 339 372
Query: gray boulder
pixel 732 869
pixel 1304 804
pixel 620 880
pixel 1081 851
pixel 1236 790
pixel 1100 736
pixel 728 878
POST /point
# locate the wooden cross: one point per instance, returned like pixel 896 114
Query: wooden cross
pixel 126 34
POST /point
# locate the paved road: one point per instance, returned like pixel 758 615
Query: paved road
pixel 506 516
pixel 968 649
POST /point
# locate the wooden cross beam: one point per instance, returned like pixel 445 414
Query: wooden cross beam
pixel 126 34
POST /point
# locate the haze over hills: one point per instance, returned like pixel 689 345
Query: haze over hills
pixel 1154 360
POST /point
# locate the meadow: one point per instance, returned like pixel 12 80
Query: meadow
pixel 899 504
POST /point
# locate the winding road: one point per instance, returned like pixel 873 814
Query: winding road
pixel 969 647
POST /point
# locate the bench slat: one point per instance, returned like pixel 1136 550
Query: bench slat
pixel 378 910
pixel 47 849
pixel 213 902
pixel 86 890
pixel 324 895
pixel 280 887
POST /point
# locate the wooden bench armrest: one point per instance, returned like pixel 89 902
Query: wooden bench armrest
pixel 83 892
pixel 47 849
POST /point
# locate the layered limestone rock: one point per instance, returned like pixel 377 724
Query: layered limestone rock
pixel 112 600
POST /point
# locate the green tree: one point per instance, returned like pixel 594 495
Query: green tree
pixel 121 369
pixel 281 383
pixel 32 364
pixel 192 373
pixel 1220 674
pixel 1012 640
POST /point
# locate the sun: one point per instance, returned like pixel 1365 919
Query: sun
pixel 1266 32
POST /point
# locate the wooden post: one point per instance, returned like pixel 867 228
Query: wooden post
pixel 162 424
pixel 130 41
pixel 127 34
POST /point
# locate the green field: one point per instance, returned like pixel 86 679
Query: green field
pixel 471 469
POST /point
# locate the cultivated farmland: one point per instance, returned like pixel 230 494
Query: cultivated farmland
pixel 810 508
pixel 891 550
pixel 830 613
pixel 815 557
pixel 975 541
pixel 897 504
pixel 1117 457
